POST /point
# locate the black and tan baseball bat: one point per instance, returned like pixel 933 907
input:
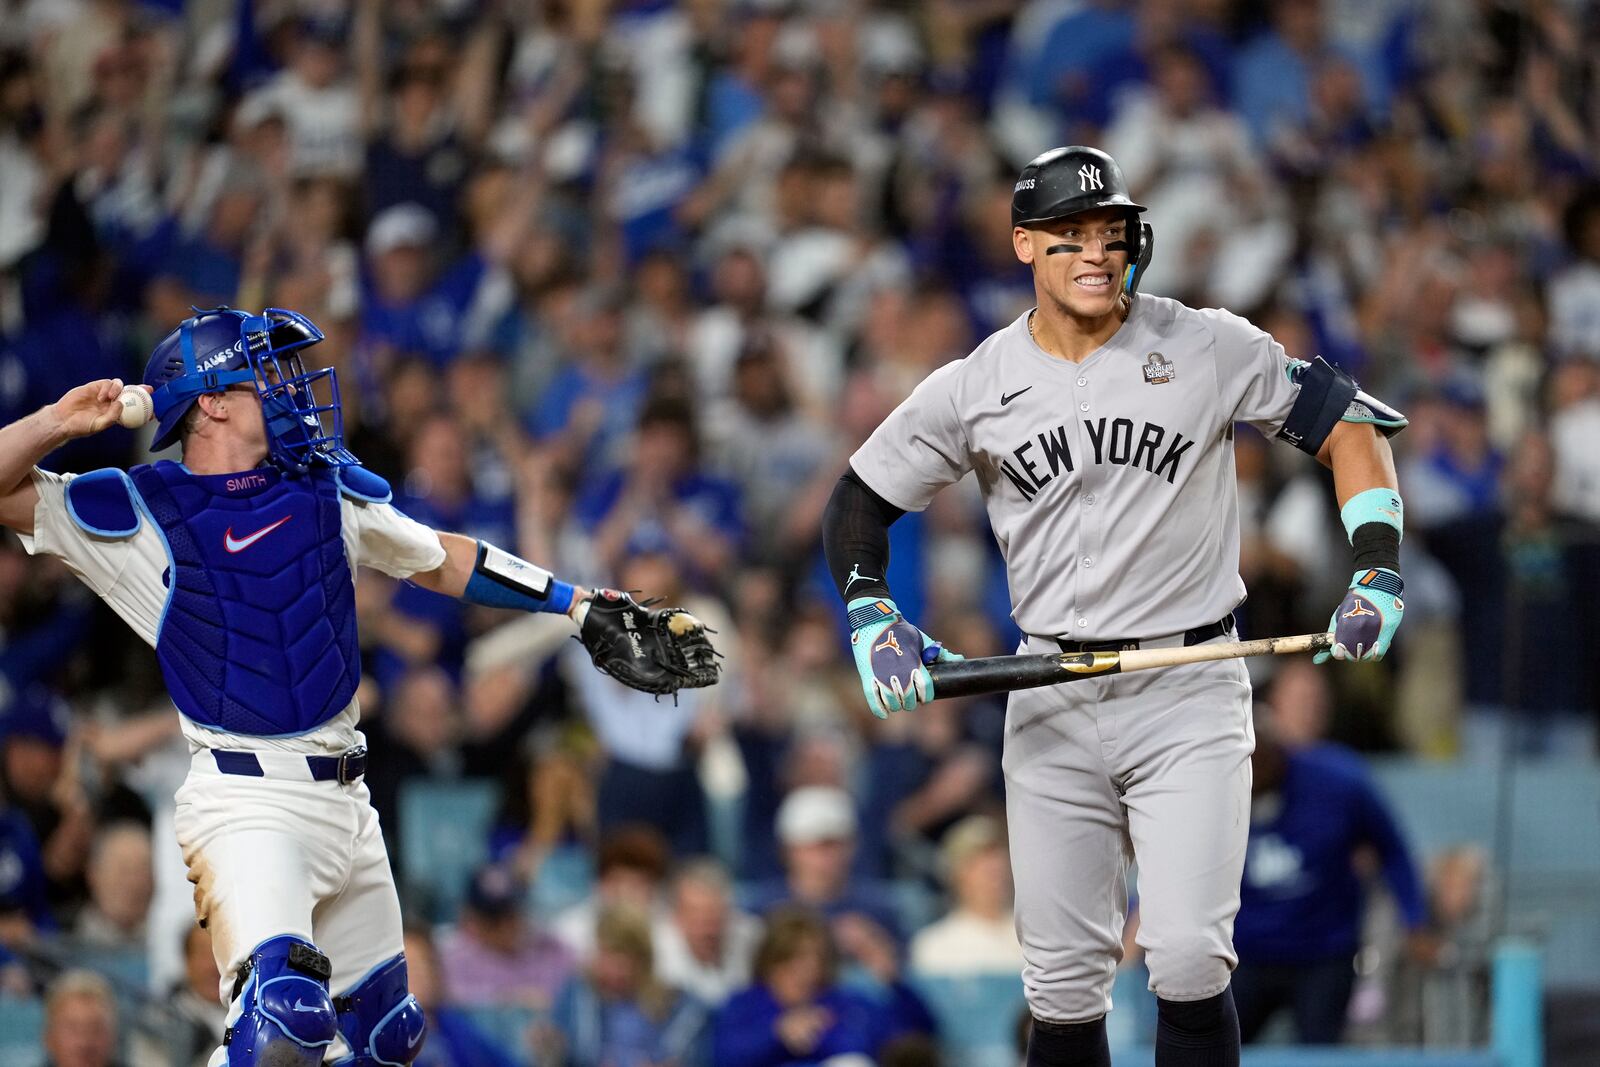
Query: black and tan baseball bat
pixel 1001 674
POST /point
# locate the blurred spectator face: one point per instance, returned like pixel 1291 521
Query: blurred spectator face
pixel 1181 81
pixel 739 281
pixel 415 100
pixel 623 958
pixel 661 281
pixel 654 572
pixel 80 1026
pixel 1456 882
pixel 401 273
pixel 120 877
pixel 32 766
pixel 477 391
pixel 700 910
pixel 816 759
pixel 817 827
pixel 422 970
pixel 413 390
pixel 200 966
pixel 493 911
pixel 1299 22
pixel 318 208
pixel 759 384
pixel 317 60
pixel 663 450
pixel 119 76
pixel 792 960
pixel 974 852
pixel 1299 699
pixel 420 714
pixel 1291 330
pixel 838 201
pixel 439 460
pixel 792 94
pixel 632 865
pixel 1336 92
pixel 234 216
pixel 1532 470
pixel 938 328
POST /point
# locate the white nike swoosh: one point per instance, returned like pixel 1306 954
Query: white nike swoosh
pixel 300 1005
pixel 239 545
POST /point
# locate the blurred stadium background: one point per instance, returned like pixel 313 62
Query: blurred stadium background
pixel 622 283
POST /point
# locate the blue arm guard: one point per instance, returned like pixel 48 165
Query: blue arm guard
pixel 501 580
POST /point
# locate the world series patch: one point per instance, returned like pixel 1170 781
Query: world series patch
pixel 1158 370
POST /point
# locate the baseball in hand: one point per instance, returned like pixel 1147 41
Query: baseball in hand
pixel 137 407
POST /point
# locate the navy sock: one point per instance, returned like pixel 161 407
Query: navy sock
pixel 1197 1033
pixel 1068 1044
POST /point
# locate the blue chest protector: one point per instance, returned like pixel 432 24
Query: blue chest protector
pixel 259 634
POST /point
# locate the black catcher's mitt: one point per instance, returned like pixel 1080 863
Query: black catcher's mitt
pixel 654 650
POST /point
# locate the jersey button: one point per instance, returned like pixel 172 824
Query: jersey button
pixel 1083 622
pixel 1088 561
pixel 1083 406
pixel 1083 381
pixel 1088 500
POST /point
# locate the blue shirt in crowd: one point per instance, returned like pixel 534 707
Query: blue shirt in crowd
pixel 1302 900
pixel 746 1032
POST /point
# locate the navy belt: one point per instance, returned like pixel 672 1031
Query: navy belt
pixel 344 768
pixel 1199 635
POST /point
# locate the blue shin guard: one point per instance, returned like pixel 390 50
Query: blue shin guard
pixel 281 1015
pixel 380 1020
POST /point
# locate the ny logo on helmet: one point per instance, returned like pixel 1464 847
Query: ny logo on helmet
pixel 1089 178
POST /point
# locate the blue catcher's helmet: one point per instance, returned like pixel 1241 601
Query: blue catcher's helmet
pixel 219 347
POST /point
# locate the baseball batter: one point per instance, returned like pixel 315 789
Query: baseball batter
pixel 237 565
pixel 1099 427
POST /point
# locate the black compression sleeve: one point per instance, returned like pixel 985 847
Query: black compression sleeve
pixel 855 537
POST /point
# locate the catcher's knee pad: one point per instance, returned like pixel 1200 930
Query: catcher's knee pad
pixel 380 1020
pixel 281 1014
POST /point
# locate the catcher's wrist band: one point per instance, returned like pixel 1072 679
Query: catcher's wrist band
pixel 501 580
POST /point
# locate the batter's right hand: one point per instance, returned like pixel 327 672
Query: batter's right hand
pixel 892 656
pixel 89 408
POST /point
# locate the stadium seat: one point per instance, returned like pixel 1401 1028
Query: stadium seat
pixel 21 1020
pixel 977 1016
pixel 507 1026
pixel 565 877
pixel 444 828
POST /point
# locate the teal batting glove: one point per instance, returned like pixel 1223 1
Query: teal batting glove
pixel 892 656
pixel 1364 624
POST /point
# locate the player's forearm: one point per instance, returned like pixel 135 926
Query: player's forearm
pixel 1367 489
pixel 482 574
pixel 25 442
pixel 22 445
pixel 855 538
pixel 1360 458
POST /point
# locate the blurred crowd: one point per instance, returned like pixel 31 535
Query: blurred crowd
pixel 620 285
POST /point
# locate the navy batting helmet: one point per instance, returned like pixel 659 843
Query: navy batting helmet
pixel 1065 181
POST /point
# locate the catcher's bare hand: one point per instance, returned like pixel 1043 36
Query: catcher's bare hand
pixel 653 650
pixel 89 408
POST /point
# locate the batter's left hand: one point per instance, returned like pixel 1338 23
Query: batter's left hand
pixel 892 656
pixel 1365 622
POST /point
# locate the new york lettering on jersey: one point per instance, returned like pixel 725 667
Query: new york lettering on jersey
pixel 259 634
pixel 1113 414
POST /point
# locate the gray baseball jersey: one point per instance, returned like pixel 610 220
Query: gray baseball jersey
pixel 1110 482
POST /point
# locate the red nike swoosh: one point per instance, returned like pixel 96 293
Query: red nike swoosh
pixel 239 545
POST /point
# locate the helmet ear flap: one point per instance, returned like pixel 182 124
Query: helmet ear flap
pixel 1140 258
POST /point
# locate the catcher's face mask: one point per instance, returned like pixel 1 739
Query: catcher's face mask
pixel 301 407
